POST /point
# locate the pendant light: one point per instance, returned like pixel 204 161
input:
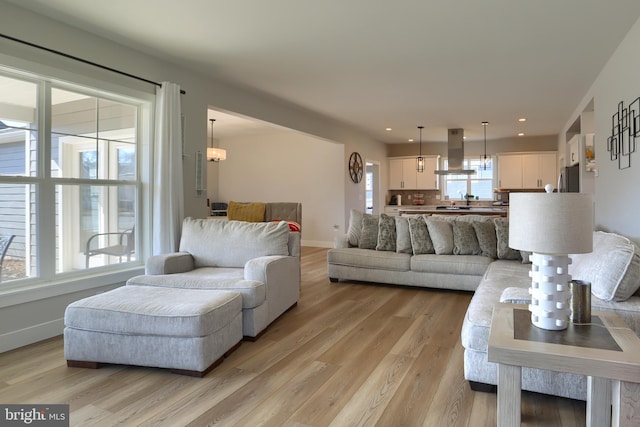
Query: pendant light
pixel 420 159
pixel 484 159
pixel 215 154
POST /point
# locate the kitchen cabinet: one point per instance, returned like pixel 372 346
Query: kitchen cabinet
pixel 539 170
pixel 509 171
pixel 397 173
pixel 392 210
pixel 403 174
pixel 428 180
pixel 528 170
pixel 574 151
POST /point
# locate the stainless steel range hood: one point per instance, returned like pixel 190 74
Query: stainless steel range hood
pixel 455 149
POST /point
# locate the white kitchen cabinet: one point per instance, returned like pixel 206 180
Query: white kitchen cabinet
pixel 539 170
pixel 400 174
pixel 509 171
pixel 403 174
pixel 574 151
pixel 548 169
pixel 428 180
pixel 392 210
pixel 530 170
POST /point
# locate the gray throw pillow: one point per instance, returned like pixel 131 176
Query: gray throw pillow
pixel 386 233
pixel 355 228
pixel 613 268
pixel 403 236
pixel 465 241
pixel 502 234
pixel 441 233
pixel 420 240
pixel 369 233
pixel 486 234
pixel 525 257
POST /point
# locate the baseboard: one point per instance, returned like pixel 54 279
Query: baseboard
pixel 21 337
pixel 317 243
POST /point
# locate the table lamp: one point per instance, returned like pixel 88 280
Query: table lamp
pixel 551 226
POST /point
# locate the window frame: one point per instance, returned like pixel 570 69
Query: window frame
pixel 45 276
pixel 467 164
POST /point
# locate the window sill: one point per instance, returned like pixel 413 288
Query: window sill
pixel 34 292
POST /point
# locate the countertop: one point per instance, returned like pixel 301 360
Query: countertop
pixel 453 210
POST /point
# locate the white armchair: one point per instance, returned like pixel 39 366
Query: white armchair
pixel 261 261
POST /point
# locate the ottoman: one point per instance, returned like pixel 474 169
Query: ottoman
pixel 189 331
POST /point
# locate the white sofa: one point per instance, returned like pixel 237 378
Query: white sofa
pixel 494 274
pixel 261 261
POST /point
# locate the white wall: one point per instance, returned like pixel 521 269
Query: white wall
pixel 616 191
pixel 286 166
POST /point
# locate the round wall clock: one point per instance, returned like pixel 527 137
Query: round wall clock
pixel 355 167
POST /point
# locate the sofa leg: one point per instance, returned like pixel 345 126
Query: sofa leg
pixel 333 279
pixel 485 388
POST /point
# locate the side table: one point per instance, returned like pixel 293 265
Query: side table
pixel 605 350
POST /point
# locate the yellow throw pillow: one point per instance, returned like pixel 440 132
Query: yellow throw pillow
pixel 251 211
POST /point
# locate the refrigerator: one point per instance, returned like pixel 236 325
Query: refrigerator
pixel 569 181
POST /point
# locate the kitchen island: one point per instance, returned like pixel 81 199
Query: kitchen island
pixel 451 210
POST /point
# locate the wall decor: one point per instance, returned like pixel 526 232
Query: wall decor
pixel 625 128
pixel 356 168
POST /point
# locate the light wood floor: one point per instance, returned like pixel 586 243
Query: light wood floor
pixel 349 354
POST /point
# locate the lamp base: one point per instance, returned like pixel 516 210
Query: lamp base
pixel 550 294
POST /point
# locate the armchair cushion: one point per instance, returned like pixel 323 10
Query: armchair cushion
pixel 232 243
pixel 253 291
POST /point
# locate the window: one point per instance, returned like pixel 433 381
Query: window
pixel 70 184
pixel 479 184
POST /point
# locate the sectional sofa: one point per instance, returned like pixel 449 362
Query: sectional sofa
pixel 471 253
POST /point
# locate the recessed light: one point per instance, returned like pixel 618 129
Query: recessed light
pixel 521 134
pixel 410 140
pixel 388 129
pixel 522 119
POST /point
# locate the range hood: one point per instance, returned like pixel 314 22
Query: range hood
pixel 455 149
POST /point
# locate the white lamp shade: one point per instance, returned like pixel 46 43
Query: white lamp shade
pixel 216 154
pixel 551 223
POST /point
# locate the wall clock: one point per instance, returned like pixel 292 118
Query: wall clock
pixel 355 167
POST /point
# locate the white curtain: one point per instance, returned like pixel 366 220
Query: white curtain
pixel 168 203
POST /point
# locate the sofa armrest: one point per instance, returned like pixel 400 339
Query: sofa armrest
pixel 281 276
pixel 516 295
pixel 178 262
pixel 341 241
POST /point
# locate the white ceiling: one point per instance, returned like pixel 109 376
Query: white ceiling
pixel 380 63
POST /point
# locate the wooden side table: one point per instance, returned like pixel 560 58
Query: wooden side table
pixel 606 350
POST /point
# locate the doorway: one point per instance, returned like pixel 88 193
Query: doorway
pixel 372 188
